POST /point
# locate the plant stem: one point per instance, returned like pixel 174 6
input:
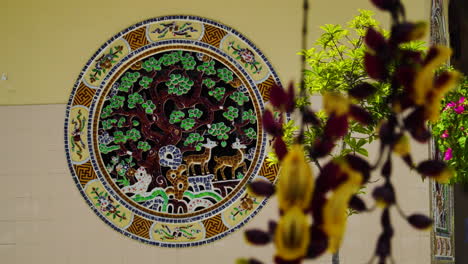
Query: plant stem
pixel 336 257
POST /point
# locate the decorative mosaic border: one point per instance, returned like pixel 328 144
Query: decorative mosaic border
pixel 441 195
pixel 80 109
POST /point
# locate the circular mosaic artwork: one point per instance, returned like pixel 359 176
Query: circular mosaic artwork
pixel 163 133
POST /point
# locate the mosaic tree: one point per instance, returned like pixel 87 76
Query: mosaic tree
pixel 173 98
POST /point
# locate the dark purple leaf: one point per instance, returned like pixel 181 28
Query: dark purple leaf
pixel 262 188
pixel 321 148
pixel 337 126
pixel 431 168
pixel 387 5
pixel 289 100
pixel 375 40
pixel 420 221
pixel 362 90
pixel 359 164
pixel 318 242
pixel 280 148
pixel 357 204
pixel 384 194
pixel 271 126
pixel 360 115
pixel 257 237
pixel 277 96
pixel 374 66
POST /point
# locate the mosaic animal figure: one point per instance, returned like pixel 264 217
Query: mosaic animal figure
pixel 178 180
pixel 235 161
pixel 175 29
pixel 201 159
pixel 76 139
pixel 143 181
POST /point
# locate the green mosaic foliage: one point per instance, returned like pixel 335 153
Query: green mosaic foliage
pixel 128 80
pixel 106 112
pixel 133 134
pixel 171 58
pixel 119 137
pixel 176 117
pixel 143 145
pixel 121 122
pixel 207 68
pixel 225 75
pixel 231 113
pixel 250 133
pixel 249 115
pixel 117 101
pixel 219 130
pixel 134 99
pixel 108 124
pixel 188 62
pixel 149 107
pixel 239 98
pixel 192 138
pixel 209 83
pixel 135 123
pixel 103 148
pixel 145 81
pixel 151 64
pixel 218 93
pixel 179 84
pixel 187 124
pixel 195 113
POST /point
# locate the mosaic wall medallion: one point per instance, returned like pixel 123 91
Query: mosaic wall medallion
pixel 163 131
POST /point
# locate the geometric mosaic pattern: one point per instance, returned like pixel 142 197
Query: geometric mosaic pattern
pixel 441 202
pixel 168 136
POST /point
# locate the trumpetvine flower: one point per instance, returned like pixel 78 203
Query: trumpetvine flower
pixel 402 146
pixel 448 154
pixel 334 211
pixel 292 234
pixel 296 181
pixel 436 170
pixel 428 93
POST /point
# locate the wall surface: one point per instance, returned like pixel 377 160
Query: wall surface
pixel 45 220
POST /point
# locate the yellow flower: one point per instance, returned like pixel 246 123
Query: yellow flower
pixel 296 183
pixel 444 176
pixel 335 103
pixel 402 146
pixel 335 209
pixel 292 234
pixel 428 92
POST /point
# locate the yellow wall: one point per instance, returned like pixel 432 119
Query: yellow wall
pixel 45 44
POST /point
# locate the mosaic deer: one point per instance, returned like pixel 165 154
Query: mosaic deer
pixel 200 159
pixel 235 161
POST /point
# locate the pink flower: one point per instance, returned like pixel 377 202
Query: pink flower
pixel 450 105
pixel 448 154
pixel 462 99
pixel 445 134
pixel 459 109
pixel 462 128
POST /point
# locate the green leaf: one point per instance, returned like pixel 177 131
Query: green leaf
pixel 362 151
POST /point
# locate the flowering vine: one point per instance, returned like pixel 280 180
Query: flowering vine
pixel 451 131
pixel 313 209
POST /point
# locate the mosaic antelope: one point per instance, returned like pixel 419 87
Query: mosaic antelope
pixel 236 161
pixel 200 159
